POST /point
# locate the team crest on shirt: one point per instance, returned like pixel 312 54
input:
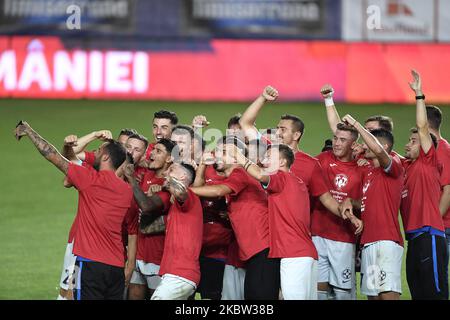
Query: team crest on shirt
pixel 346 275
pixel 340 181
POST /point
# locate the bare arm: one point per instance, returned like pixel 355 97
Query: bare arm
pixel 46 149
pixel 214 191
pixel 421 114
pixel 252 169
pixel 248 119
pixel 372 143
pixel 332 114
pixel 444 203
pixel 85 140
pixel 131 257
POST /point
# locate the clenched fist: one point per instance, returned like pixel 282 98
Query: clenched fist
pixel 270 93
pixel 327 91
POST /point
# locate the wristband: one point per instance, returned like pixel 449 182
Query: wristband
pixel 329 102
pixel 420 97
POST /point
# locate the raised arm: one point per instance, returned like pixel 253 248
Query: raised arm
pixel 421 113
pixel 372 143
pixel 248 119
pixel 213 191
pixel 46 149
pixel 327 92
pixel 85 140
pixel 251 168
pixel 69 143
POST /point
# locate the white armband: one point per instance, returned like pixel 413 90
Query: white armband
pixel 329 102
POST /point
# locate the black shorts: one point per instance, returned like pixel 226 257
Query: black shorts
pixel 211 280
pixel 98 281
pixel 426 267
pixel 262 277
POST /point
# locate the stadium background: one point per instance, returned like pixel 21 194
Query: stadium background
pixel 212 57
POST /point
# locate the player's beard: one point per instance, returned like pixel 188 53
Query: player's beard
pixel 96 165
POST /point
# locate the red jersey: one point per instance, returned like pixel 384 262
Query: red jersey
pixel 248 213
pixel 149 151
pixel 308 169
pixel 421 193
pixel 184 231
pixel 443 158
pixel 345 181
pixel 150 247
pixel 381 202
pixel 217 232
pixel 89 158
pixel 233 255
pixel 104 200
pixel 289 217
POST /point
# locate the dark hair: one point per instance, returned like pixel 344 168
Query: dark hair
pixel 285 152
pixel 234 120
pixel 117 153
pixel 194 135
pixel 298 124
pixel 328 145
pixel 127 132
pixel 164 114
pixel 168 144
pixel 236 141
pixel 191 171
pixel 384 135
pixel 433 137
pixel 434 115
pixel 384 122
pixel 140 137
pixel 343 127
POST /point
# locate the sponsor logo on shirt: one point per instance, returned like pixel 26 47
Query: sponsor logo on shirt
pixel 404 193
pixel 333 164
pixel 366 186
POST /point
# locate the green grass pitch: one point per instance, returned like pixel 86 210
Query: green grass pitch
pixel 36 212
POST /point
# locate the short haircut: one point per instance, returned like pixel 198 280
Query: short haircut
pixel 167 143
pixel 433 137
pixel 234 120
pixel 434 115
pixel 127 132
pixel 182 129
pixel 328 145
pixel 164 114
pixel 343 127
pixel 298 124
pixel 190 170
pixel 285 152
pixel 236 141
pixel 385 135
pixel 117 153
pixel 385 122
pixel 140 137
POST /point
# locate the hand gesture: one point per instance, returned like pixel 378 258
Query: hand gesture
pixel 346 208
pixel 128 170
pixel 21 130
pixel 71 141
pixel 200 121
pixel 327 91
pixel 153 189
pixel 103 135
pixel 270 93
pixel 349 120
pixel 416 85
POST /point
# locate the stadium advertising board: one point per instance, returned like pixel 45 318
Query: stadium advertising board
pixel 229 70
pixel 396 20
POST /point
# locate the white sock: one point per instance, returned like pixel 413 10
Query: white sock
pixel 60 297
pixel 342 294
pixel 322 295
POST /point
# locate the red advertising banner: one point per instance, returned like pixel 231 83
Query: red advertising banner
pixel 235 70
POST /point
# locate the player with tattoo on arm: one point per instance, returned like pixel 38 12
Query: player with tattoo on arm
pixel 104 200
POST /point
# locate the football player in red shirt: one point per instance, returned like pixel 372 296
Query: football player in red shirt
pixel 289 221
pixel 149 246
pixel 104 200
pixel 333 237
pixel 381 238
pixel 427 248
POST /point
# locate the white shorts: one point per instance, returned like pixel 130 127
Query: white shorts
pixel 173 287
pixel 381 268
pixel 336 263
pixel 298 278
pixel 233 283
pixel 67 275
pixel 146 274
